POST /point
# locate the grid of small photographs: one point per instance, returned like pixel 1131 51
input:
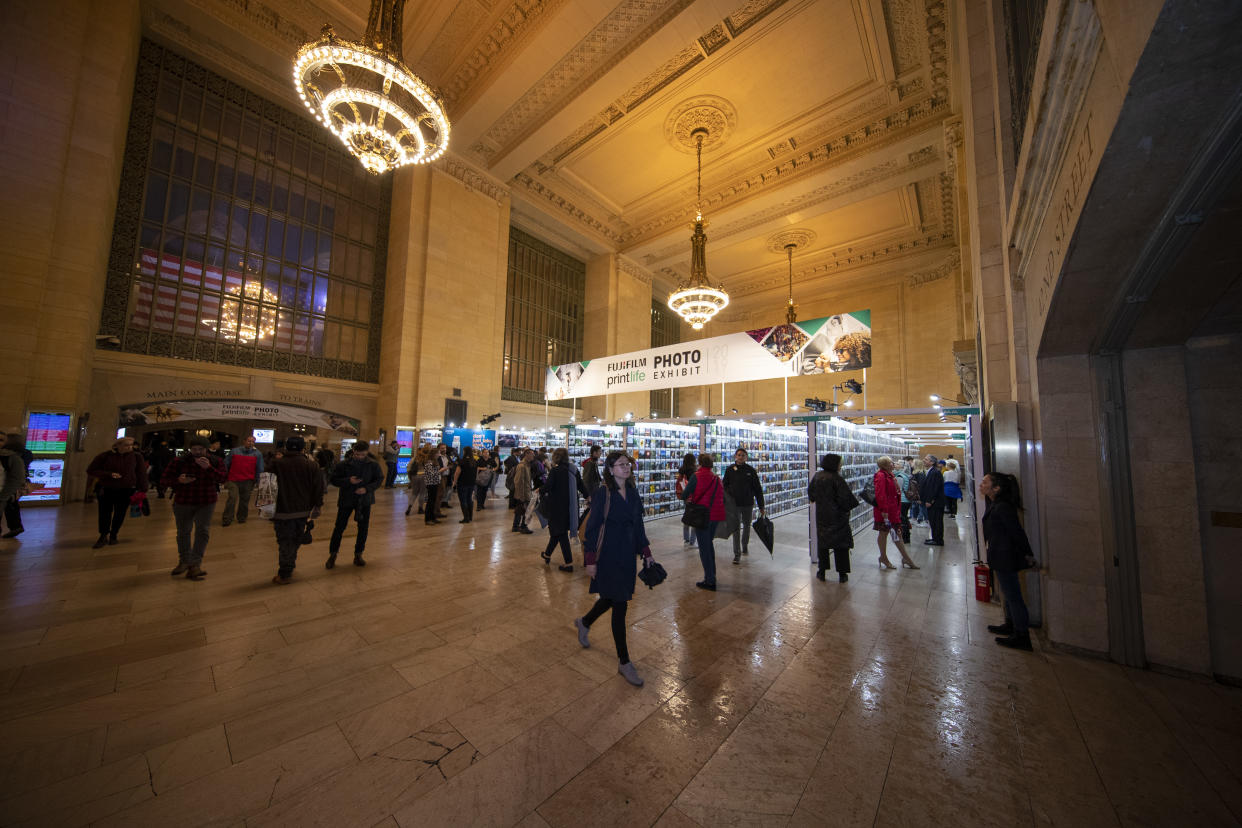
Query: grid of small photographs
pixel 658 450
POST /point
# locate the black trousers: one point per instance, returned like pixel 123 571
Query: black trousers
pixel 563 539
pixel 905 522
pixel 13 515
pixel 343 514
pixel 842 557
pixel 519 514
pixel 390 476
pixel 113 506
pixel 433 503
pixel 480 496
pixel 935 519
pixel 618 624
pixel 463 498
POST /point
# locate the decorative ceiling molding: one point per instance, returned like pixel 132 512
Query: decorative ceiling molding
pixel 625 28
pixel 632 268
pixel 847 261
pixel 222 55
pixel 800 237
pixel 566 208
pixel 683 61
pixel 864 139
pixel 946 269
pixel 476 180
pixel 282 33
pixel 710 112
pixel 906 34
pixel 506 37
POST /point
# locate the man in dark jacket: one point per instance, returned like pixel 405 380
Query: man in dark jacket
pixel 119 472
pixel 195 480
pixel 299 497
pixel 15 480
pixel 590 471
pixel 741 482
pixel 357 476
pixel 932 495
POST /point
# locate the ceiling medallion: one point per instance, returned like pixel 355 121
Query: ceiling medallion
pixel 697 301
pixel 711 113
pixel 800 237
pixel 366 95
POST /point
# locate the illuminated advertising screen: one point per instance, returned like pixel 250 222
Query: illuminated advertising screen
pixel 264 435
pixel 45 477
pixel 48 432
pixel 405 437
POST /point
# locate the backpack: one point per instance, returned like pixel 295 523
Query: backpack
pixel 868 492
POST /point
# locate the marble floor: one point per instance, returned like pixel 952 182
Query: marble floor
pixel 443 685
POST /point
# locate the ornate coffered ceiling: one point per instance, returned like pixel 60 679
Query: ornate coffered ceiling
pixel 832 117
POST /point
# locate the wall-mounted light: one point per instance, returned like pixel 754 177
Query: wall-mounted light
pixel 698 413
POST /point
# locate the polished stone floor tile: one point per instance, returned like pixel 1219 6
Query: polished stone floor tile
pixel 443 684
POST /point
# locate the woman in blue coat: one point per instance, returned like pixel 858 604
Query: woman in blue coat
pixel 615 537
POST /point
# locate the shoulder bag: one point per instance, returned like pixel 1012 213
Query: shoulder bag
pixel 696 514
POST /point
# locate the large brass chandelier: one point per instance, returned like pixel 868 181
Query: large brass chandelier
pixel 366 95
pixel 697 301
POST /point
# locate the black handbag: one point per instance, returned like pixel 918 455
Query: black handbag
pixel 652 574
pixel 697 515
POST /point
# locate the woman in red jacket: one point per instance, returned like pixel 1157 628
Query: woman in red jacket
pixel 887 514
pixel 706 489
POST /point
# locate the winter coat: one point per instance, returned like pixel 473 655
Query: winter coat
pixel 625 538
pixel 903 483
pixel 833 503
pixel 706 489
pixel 1008 547
pixel 559 497
pixel 299 485
pixel 131 467
pixel 742 484
pixel 887 507
pixel 243 464
pixel 590 475
pixel 367 470
pixel 14 475
pixel 521 477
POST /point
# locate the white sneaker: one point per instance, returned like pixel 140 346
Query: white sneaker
pixel 582 633
pixel 631 674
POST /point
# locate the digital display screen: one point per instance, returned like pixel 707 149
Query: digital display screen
pixel 403 463
pixel 406 438
pixel 264 435
pixel 120 432
pixel 45 477
pixel 48 433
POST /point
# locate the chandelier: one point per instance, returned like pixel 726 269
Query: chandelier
pixel 245 322
pixel 697 301
pixel 791 312
pixel 366 95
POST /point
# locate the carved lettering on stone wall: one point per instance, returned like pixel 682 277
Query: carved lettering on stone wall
pixel 1067 206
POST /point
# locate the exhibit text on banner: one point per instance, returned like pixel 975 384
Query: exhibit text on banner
pixel 171 411
pixel 827 345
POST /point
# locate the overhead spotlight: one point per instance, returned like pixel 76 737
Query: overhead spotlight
pixel 936 406
pixel 793 407
pixel 452 425
pixel 698 413
pixel 655 414
pixel 629 415
pixel 935 398
pixel 853 386
pixel 734 410
pixel 849 403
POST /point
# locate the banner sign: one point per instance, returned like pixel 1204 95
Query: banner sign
pixel 818 346
pixel 172 411
pixel 479 439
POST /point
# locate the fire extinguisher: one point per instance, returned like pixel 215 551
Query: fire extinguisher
pixel 983 583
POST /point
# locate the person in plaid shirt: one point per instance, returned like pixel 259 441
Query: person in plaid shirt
pixel 195 479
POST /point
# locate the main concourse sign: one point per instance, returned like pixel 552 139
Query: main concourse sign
pixel 818 346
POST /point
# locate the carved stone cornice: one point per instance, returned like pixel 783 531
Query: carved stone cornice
pixel 862 179
pixel 866 138
pixel 475 179
pixel 944 271
pixel 277 29
pixel 624 29
pixel 631 268
pixel 566 207
pixel 1062 80
pixel 195 43
pixel 847 261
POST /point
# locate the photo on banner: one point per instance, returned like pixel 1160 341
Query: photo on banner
pixel 830 344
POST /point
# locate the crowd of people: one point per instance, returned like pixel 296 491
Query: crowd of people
pixel 595 501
